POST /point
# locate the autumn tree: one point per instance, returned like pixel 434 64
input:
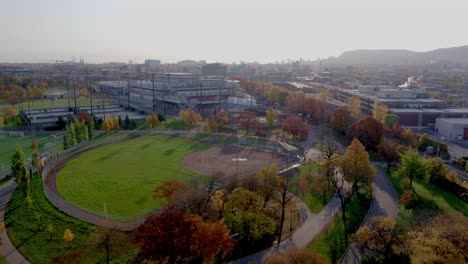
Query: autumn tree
pixel 176 237
pixel 221 118
pixel 340 120
pixel 110 123
pixel 19 171
pixel 108 239
pixel 9 111
pixel 84 117
pixel 379 111
pixel 216 122
pixel 368 130
pixel 283 197
pixel 2 120
pixel 296 102
pixel 296 128
pixel 85 92
pixel 357 171
pixel 152 120
pixel 270 117
pixel 190 117
pixel 68 236
pixel 442 238
pixel 248 120
pixel 379 235
pixel 413 167
pixel 241 200
pixel 251 226
pixel 388 151
pixel 354 106
pixel 266 180
pixel 409 138
pixel 293 255
pixel 167 189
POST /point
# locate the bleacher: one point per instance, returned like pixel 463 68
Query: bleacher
pixel 48 117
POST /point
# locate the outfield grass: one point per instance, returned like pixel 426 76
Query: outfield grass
pixel 31 238
pixel 8 145
pixel 122 176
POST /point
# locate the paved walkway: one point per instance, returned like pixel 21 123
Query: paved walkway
pixel 7 249
pixel 312 225
pixel 384 203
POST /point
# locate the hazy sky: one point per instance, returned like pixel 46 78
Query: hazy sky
pixel 226 31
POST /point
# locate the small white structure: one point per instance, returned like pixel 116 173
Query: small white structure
pixel 452 128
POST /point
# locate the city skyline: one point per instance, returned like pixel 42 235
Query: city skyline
pixel 263 31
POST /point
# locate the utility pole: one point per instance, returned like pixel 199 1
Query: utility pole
pixel 103 105
pixel 219 94
pixel 251 91
pixel 154 106
pixel 74 96
pixel 128 95
pixel 90 92
pixel 68 92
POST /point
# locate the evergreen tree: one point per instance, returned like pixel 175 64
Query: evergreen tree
pixel 91 129
pixel 72 132
pixel 19 170
pixel 127 122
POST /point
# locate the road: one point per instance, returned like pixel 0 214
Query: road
pixel 7 249
pixel 384 203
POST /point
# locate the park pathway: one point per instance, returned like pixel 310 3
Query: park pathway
pixel 7 249
pixel 384 203
pixel 312 225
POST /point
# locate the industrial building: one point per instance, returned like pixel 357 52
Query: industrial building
pixel 452 128
pixel 172 92
pixel 415 108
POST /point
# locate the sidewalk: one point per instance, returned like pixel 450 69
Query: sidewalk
pixel 7 249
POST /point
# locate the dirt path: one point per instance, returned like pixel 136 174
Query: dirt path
pixel 11 254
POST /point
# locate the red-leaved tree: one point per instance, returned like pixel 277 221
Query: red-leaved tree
pixel 176 237
pixel 295 127
pixel 368 130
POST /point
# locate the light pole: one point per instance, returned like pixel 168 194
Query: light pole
pixel 237 162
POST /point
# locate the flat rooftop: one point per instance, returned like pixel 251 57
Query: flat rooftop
pixel 454 121
pixel 429 110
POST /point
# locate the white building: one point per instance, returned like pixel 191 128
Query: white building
pixel 452 128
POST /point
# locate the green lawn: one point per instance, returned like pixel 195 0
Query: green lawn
pixel 314 200
pixel 330 243
pixel 433 196
pixel 122 176
pixel 8 145
pixel 31 238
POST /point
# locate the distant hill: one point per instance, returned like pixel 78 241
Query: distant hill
pixel 456 55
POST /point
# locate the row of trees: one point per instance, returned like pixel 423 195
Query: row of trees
pixel 244 214
pixel 78 131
